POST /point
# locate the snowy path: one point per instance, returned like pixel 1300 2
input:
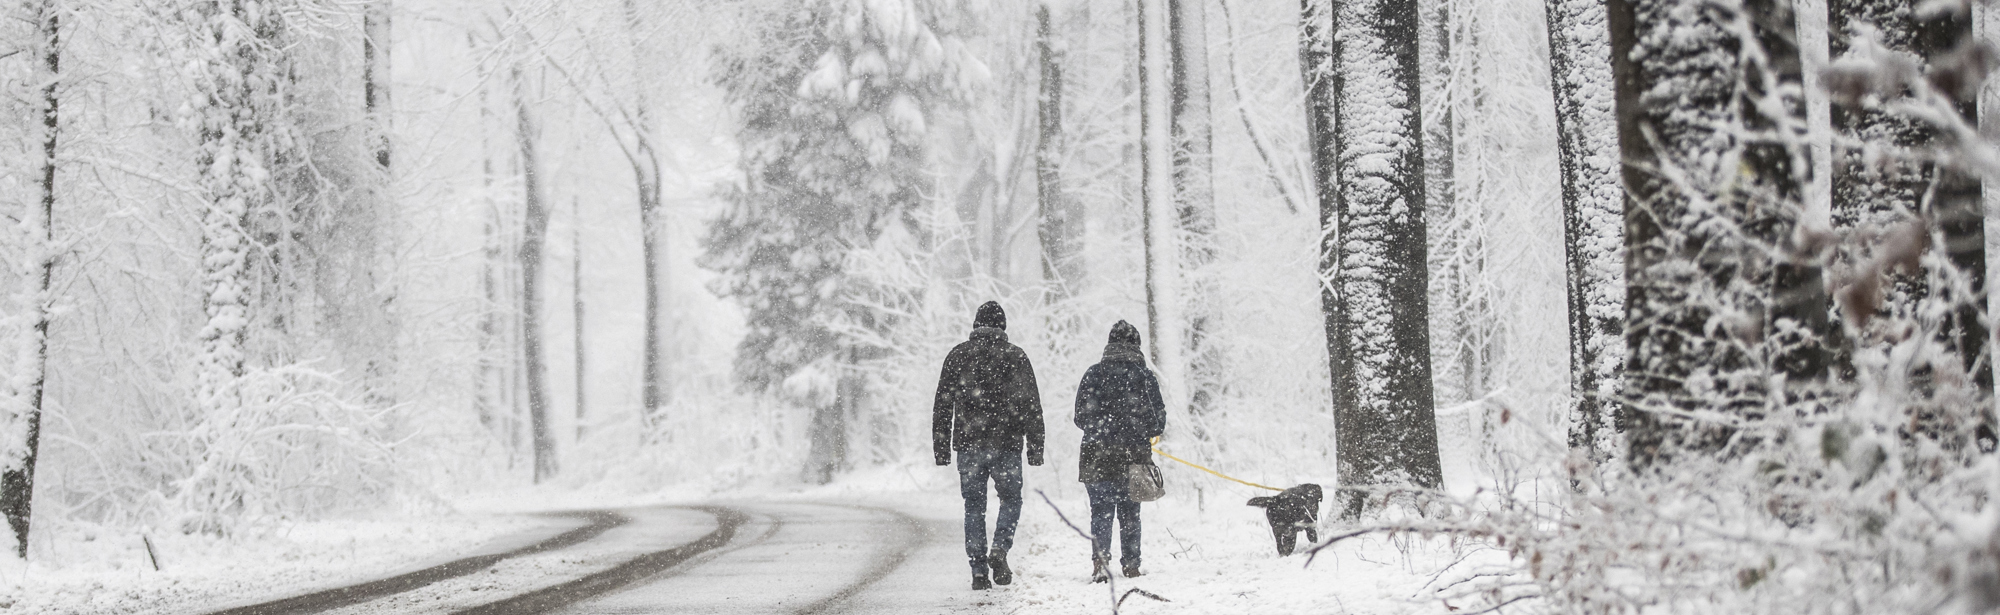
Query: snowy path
pixel 751 557
pixel 599 522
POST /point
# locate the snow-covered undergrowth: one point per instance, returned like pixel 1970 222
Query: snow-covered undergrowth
pixel 292 445
pixel 1840 512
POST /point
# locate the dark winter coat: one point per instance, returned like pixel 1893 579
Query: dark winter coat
pixel 1119 408
pixel 987 397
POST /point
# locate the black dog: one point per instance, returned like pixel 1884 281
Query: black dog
pixel 1295 509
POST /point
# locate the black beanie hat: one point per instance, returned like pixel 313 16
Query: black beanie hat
pixel 990 315
pixel 1124 333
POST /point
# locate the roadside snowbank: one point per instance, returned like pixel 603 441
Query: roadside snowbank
pixel 96 569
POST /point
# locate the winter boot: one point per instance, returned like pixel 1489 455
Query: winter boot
pixel 1100 570
pixel 980 582
pixel 1002 575
pixel 1132 569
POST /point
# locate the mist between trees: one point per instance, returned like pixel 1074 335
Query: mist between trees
pixel 1681 303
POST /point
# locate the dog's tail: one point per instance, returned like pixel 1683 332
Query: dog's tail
pixel 1261 501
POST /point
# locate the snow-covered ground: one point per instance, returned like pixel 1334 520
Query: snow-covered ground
pixel 1204 554
pixel 1213 556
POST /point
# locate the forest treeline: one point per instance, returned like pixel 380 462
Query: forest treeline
pixel 281 258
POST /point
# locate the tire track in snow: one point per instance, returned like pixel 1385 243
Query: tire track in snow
pixel 617 577
pixel 912 533
pixel 600 522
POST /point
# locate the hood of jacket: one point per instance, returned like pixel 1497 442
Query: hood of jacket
pixel 990 316
pixel 1124 344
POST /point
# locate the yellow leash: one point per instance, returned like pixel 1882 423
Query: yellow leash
pixel 1156 450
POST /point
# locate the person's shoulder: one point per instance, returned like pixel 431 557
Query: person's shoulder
pixel 1098 370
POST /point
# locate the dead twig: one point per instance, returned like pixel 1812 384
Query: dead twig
pixel 1135 590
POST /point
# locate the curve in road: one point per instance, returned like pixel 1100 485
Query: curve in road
pixel 600 521
pixel 633 570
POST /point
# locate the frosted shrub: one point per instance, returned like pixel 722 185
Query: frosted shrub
pixel 293 446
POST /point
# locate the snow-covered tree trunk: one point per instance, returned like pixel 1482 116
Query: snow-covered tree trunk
pixel 241 115
pixel 1711 133
pixel 1060 226
pixel 646 170
pixel 375 77
pixel 1316 78
pixel 1593 219
pixel 1383 411
pixel 1163 289
pixel 534 235
pixel 576 315
pixel 380 367
pixel 1194 200
pixel 22 425
pixel 1877 188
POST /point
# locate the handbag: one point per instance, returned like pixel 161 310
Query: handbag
pixel 1144 483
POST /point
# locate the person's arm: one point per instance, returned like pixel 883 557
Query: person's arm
pixel 1156 407
pixel 941 410
pixel 1087 408
pixel 1028 400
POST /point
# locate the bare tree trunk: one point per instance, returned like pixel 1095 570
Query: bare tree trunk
pixel 17 481
pixel 576 304
pixel 534 235
pixel 646 169
pixel 1061 227
pixel 375 77
pixel 491 398
pixel 1194 198
pixel 1383 405
pixel 1593 220
pixel 487 396
pixel 1156 193
pixel 381 364
pixel 1316 65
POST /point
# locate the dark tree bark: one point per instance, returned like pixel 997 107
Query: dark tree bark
pixel 1383 404
pixel 1708 241
pixel 1593 220
pixel 17 481
pixel 534 236
pixel 1316 65
pixel 1061 225
pixel 1194 198
pixel 1877 195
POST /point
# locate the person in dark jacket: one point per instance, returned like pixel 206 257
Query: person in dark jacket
pixel 988 410
pixel 1118 406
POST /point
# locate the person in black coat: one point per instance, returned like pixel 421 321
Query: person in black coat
pixel 988 410
pixel 1118 406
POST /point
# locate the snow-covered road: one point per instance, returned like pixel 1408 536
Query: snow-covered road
pixel 736 557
